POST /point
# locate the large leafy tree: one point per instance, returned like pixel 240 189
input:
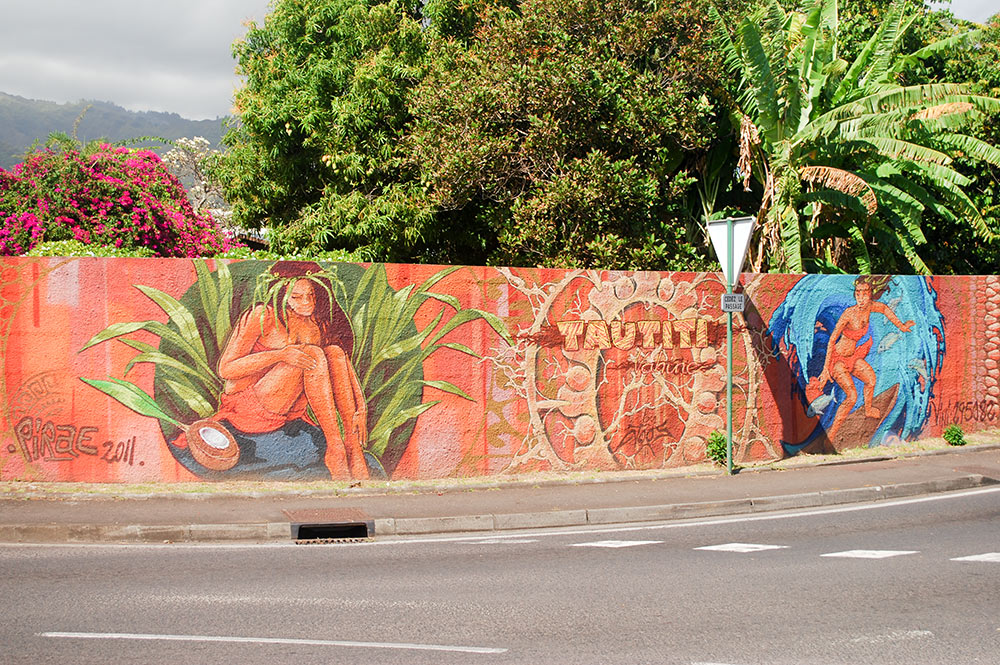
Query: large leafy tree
pixel 526 132
pixel 848 157
pixel 558 133
pixel 317 153
pixel 951 248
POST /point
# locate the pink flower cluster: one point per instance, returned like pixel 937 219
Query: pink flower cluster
pixel 107 195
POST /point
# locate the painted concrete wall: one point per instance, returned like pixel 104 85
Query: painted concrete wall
pixel 171 370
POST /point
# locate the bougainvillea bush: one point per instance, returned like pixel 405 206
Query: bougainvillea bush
pixel 102 195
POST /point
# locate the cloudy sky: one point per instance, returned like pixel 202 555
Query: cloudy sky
pixel 151 55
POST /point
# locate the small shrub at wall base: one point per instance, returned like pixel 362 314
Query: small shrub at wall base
pixel 715 448
pixel 954 436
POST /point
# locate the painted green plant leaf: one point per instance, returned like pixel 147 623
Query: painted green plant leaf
pixel 448 387
pixel 149 354
pixel 184 360
pixel 131 396
pixel 380 435
pixel 191 397
pixel 179 316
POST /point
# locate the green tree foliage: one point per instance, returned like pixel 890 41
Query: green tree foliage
pixel 849 156
pixel 954 248
pixel 540 132
pixel 557 135
pixel 586 134
pixel 317 153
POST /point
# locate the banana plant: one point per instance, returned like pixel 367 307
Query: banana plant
pixel 841 149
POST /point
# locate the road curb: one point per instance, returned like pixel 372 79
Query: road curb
pixel 607 516
pixel 278 531
pixel 445 485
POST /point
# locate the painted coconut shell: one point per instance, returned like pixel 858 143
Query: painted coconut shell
pixel 212 445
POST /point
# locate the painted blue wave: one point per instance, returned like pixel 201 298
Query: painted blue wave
pixel 802 325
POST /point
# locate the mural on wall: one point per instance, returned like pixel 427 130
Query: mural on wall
pixel 170 370
pixel 621 370
pixel 284 382
pixel 861 372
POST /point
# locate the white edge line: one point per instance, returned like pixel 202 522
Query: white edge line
pixel 704 522
pixel 561 531
pixel 271 640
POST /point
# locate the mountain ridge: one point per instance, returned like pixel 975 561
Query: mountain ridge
pixel 25 122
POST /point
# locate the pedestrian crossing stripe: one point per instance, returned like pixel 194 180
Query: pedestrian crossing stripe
pixel 993 557
pixel 506 541
pixel 869 554
pixel 618 543
pixel 742 548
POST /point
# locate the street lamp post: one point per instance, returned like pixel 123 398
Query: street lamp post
pixel 731 239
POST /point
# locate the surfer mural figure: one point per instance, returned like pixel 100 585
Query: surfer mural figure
pixel 880 338
pixel 849 344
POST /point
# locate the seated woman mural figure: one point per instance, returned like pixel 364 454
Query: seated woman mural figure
pixel 849 344
pixel 288 358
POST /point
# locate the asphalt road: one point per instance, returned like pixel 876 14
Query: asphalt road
pixel 769 589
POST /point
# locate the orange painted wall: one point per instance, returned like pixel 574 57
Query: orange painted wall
pixel 534 369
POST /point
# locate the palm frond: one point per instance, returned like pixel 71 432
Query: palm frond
pixel 836 199
pixel 896 24
pixel 914 97
pixel 764 86
pixel 842 181
pixel 850 83
pixel 901 150
pixel 791 238
pixel 859 250
pixel 934 172
pixel 970 146
pixel 946 45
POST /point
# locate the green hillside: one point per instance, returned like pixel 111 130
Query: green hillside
pixel 25 121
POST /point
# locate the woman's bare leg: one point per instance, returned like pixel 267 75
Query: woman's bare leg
pixel 281 387
pixel 320 395
pixel 864 371
pixel 350 407
pixel 846 382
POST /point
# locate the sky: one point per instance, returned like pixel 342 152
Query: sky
pixel 153 55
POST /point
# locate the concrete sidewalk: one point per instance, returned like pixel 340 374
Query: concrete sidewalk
pixel 245 515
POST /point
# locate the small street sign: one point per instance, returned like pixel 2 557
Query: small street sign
pixel 731 240
pixel 733 302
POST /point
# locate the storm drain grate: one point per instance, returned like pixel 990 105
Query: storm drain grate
pixel 337 525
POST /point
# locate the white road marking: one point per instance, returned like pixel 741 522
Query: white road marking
pixel 869 554
pixel 617 543
pixel 718 521
pixel 501 541
pixel 894 636
pixel 742 548
pixel 271 640
pixel 993 557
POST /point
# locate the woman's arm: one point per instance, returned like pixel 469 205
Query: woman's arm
pixel 238 360
pixel 889 314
